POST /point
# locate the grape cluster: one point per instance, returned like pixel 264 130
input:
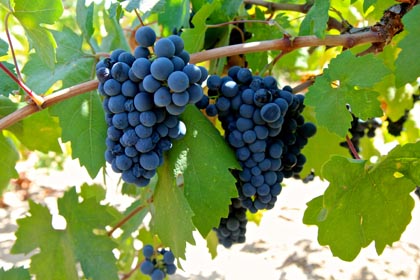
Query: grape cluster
pixel 360 128
pixel 264 126
pixel 144 94
pixel 232 229
pixel 157 263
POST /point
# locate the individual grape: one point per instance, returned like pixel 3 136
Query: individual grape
pixel 120 120
pixel 162 97
pixel 214 82
pixel 143 102
pixel 149 161
pixel 181 98
pixel 157 274
pixel 175 109
pixel 112 87
pixel 115 54
pixel 161 67
pixel 185 56
pixel 168 257
pixel 178 63
pixel 119 71
pixel 126 58
pixel 193 72
pixel 150 84
pixel 178 43
pixel 229 89
pixel 140 51
pixel 178 81
pixel 129 88
pixel 116 104
pixel 103 74
pixel 141 67
pixel 244 75
pixel 195 92
pixel 164 48
pixel 148 118
pixel 145 36
pixel 147 267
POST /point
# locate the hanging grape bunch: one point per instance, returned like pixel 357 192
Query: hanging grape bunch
pixel 144 94
pixel 264 126
pixel 157 262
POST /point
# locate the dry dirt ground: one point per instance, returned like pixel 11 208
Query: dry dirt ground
pixel 281 247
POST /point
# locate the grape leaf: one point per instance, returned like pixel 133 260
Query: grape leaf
pixel 39 132
pixel 84 17
pixel 174 16
pixel 338 87
pixel 367 4
pixel 15 273
pixel 82 120
pixel 4 47
pixel 81 117
pixel 7 85
pixel 315 21
pixel 172 214
pixel 33 13
pixel 209 185
pixel 212 242
pixel 194 37
pixel 364 203
pixel 319 150
pixel 61 249
pixel 8 158
pixel 115 38
pixel 407 70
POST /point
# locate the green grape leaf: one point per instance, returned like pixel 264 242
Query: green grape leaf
pixel 7 106
pixel 84 17
pixel 319 150
pixel 212 243
pixel 172 216
pixel 8 158
pixel 176 15
pixel 364 203
pixel 4 47
pixel 338 87
pixel 7 85
pixel 208 184
pixel 82 120
pixel 81 117
pixel 115 38
pixel 72 65
pixel 315 21
pixel 62 248
pixel 96 191
pixel 15 273
pixel 194 37
pixel 33 13
pixel 406 68
pixel 39 132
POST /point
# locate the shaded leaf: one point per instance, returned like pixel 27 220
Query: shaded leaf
pixel 315 21
pixel 8 158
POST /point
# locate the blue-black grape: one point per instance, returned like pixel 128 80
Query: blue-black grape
pixel 143 96
pixel 264 126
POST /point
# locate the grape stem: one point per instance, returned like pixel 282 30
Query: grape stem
pixel 38 100
pixel 352 148
pixel 129 216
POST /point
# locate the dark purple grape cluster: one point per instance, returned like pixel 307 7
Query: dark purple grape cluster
pixel 232 229
pixel 264 126
pixel 157 262
pixel 144 94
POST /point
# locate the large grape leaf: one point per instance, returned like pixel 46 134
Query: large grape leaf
pixel 8 158
pixel 204 159
pixel 407 69
pixel 33 13
pixel 315 22
pixel 84 17
pixel 172 215
pixel 365 203
pixel 339 87
pixel 63 249
pixel 15 273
